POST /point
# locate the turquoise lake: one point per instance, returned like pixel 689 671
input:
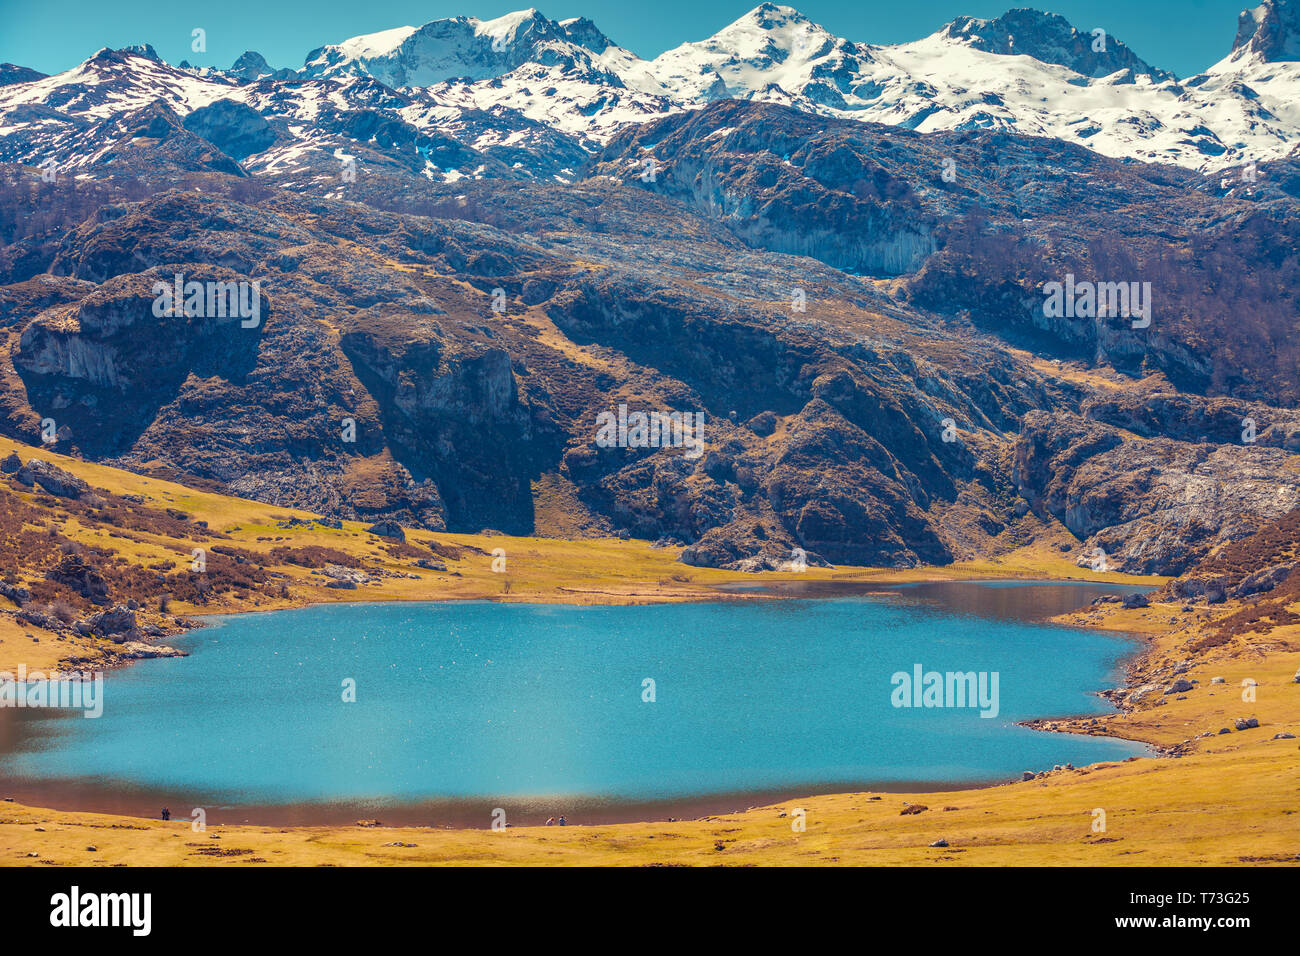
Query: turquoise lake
pixel 542 705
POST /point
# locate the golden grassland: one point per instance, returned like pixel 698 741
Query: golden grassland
pixel 1230 799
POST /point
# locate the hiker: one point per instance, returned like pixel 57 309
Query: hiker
pixel 562 823
pixel 166 814
pixel 550 821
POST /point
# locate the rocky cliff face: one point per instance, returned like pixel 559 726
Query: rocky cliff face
pixel 781 181
pixel 1271 31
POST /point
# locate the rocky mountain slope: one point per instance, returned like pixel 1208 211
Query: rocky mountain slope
pixel 452 295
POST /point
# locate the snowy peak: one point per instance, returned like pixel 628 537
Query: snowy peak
pixel 464 47
pixel 1050 38
pixel 13 73
pixel 771 48
pixel 584 33
pixel 1270 32
pixel 774 17
pixel 142 49
pixel 252 66
pixel 524 78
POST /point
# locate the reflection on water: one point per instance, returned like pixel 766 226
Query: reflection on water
pixel 1026 601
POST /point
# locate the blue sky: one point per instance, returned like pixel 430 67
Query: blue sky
pixel 1184 36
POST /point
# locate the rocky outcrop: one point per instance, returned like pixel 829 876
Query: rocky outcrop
pixel 1265 579
pixel 19 595
pixel 74 572
pixel 235 128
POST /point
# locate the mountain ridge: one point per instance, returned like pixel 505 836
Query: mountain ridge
pixel 1023 71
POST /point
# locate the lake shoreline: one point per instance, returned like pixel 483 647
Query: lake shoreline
pixel 144 802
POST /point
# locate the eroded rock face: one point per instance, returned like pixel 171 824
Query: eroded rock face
pixel 117 361
pixel 1196 419
pixel 1153 506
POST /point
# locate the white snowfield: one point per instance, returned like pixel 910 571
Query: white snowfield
pixel 529 71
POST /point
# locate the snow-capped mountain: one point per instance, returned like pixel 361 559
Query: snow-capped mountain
pixel 464 47
pixel 1049 38
pixel 523 85
pixel 1024 72
pixel 566 74
pixel 1260 77
pixel 73 117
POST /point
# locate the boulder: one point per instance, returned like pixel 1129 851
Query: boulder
pixel 763 424
pixel 387 529
pixel 19 595
pixel 117 624
pixel 343 577
pixel 1179 686
pixel 52 478
pixel 1246 723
